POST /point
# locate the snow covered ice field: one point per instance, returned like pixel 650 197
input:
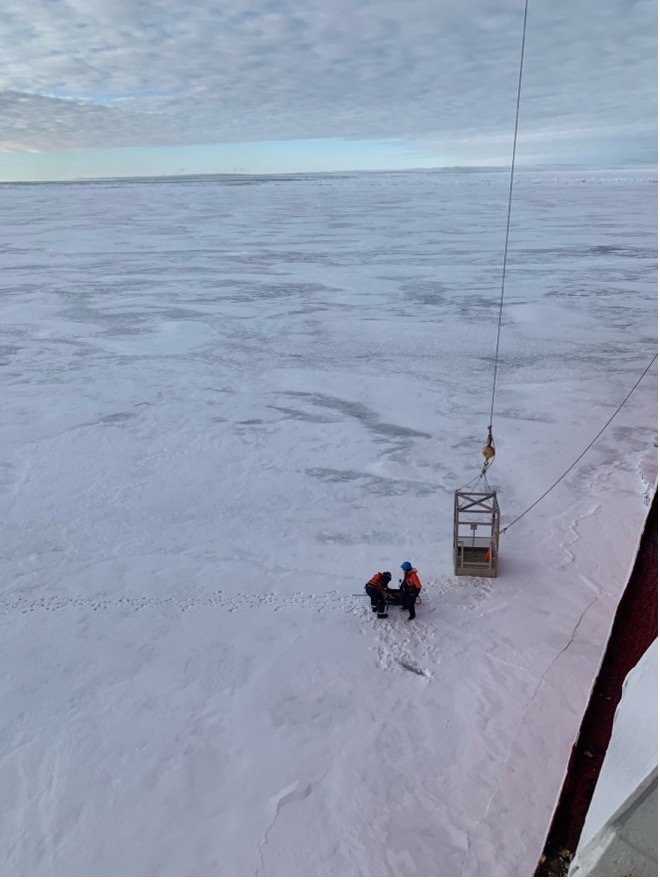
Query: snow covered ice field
pixel 226 404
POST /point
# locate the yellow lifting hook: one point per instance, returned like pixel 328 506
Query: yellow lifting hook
pixel 488 451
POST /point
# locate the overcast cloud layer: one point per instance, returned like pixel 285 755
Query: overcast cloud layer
pixel 76 74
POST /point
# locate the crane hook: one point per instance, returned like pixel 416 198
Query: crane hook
pixel 488 451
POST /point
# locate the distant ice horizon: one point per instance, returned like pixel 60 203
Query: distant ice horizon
pixel 520 169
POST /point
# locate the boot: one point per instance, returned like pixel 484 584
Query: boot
pixel 381 616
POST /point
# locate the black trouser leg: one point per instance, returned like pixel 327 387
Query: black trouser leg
pixel 373 594
pixel 381 603
pixel 412 600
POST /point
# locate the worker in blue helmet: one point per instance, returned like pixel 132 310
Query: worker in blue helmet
pixel 411 587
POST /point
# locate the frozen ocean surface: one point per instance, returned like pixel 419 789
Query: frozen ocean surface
pixel 226 403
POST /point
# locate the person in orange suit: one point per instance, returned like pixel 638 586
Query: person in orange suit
pixel 411 587
pixel 375 589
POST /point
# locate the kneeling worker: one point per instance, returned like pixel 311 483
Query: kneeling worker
pixel 375 589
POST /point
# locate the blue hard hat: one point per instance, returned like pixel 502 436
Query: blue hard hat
pixel 406 566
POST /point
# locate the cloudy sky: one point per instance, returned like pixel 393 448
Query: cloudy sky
pixel 111 87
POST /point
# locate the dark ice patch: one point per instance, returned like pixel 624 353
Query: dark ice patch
pixel 362 413
pixel 116 417
pixel 416 669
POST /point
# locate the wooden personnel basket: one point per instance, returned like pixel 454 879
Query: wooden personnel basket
pixel 476 533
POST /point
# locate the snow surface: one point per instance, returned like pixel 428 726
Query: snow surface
pixel 225 405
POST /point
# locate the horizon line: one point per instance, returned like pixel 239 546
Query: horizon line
pixel 542 166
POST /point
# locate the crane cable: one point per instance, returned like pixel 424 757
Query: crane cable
pixel 569 469
pixel 489 449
